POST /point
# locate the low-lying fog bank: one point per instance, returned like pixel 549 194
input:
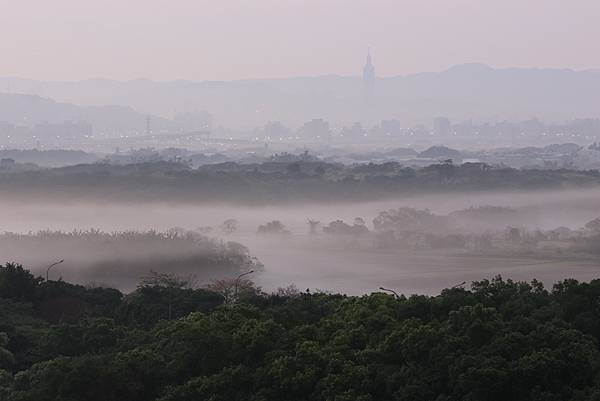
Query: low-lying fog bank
pixel 320 260
pixel 120 258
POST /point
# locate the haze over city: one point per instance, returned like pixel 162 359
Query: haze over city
pixel 236 39
pixel 293 200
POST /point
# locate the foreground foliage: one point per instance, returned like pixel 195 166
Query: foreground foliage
pixel 500 340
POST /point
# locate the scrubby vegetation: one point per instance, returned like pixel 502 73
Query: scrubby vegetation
pixel 122 257
pixel 499 340
pixel 481 230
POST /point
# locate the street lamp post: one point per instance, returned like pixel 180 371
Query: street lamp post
pixel 392 291
pixel 237 282
pixel 51 266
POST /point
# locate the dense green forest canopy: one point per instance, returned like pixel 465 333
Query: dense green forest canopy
pixel 275 182
pixel 498 340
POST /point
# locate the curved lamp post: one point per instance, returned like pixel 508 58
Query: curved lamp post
pixel 51 266
pixel 392 291
pixel 237 282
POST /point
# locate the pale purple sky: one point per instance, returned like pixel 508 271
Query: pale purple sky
pixel 233 39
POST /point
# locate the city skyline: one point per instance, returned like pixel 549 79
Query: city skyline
pixel 231 40
pixel 358 74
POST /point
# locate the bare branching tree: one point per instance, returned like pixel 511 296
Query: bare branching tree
pixel 313 225
pixel 229 226
pixel 167 282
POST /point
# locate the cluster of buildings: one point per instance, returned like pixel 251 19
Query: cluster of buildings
pixel 195 129
pixel 44 132
pixel 466 135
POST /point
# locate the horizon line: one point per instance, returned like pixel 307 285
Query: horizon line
pixel 334 75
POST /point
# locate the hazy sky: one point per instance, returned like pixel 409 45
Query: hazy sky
pixel 232 39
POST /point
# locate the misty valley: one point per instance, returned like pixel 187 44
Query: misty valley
pixel 147 294
pixel 278 200
pixel 413 241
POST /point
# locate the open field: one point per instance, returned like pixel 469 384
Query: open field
pixel 319 261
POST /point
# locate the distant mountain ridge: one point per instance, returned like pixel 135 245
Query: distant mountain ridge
pixel 28 110
pixel 461 92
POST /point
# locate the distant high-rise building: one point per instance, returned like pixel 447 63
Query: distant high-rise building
pixel 315 129
pixel 369 71
pixel 441 126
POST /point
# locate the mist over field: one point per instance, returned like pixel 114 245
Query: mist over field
pixel 293 200
pixel 348 264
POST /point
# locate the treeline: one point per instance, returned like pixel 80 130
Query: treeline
pixel 120 258
pixel 498 340
pixel 274 182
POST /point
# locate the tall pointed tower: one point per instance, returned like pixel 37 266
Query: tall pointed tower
pixel 369 72
pixel 368 86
